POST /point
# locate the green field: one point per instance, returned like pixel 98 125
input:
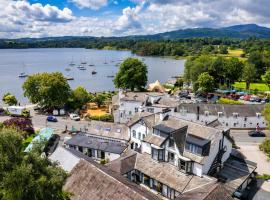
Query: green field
pixel 253 86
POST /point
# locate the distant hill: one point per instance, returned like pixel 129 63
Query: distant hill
pixel 237 31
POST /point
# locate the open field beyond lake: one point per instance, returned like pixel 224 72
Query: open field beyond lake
pixel 253 86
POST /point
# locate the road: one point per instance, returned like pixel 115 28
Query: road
pixel 249 147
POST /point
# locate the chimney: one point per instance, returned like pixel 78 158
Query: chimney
pixel 164 114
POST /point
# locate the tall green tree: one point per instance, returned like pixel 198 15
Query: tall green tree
pixel 266 78
pixel 9 99
pixel 233 70
pixel 249 74
pixel 49 90
pixel 132 75
pixel 27 176
pixel 206 82
pixel 79 97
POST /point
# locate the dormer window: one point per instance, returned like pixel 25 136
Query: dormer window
pixel 158 154
pixel 197 145
pixel 220 114
pixel 258 115
pixel 235 115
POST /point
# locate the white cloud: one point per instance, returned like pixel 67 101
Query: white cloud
pixel 129 19
pixel 93 4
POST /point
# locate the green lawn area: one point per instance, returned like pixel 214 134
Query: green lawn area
pixel 253 86
pixel 228 101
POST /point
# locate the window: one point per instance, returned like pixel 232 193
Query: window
pixel 151 110
pixel 136 109
pixel 134 133
pixel 158 154
pixel 171 142
pixel 89 152
pixel 182 165
pixel 129 112
pixel 143 136
pixel 193 148
pixel 100 154
pixel 139 135
pixel 171 157
pixel 80 149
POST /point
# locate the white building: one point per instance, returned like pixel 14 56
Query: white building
pixel 126 104
pixel 192 147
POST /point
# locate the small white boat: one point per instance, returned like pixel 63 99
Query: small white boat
pixel 22 75
pixel 69 78
pixel 81 67
pixel 94 72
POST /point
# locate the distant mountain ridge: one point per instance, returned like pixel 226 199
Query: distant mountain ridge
pixel 238 31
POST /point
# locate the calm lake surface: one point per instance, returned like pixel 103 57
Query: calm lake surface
pixel 51 60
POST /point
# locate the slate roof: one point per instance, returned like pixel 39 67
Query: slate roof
pixel 163 128
pixel 196 140
pixel 90 181
pixel 235 172
pixel 64 158
pixel 168 174
pixel 227 110
pixel 107 145
pixel 108 130
pixel 213 191
pixel 154 139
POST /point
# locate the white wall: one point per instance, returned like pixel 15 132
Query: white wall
pixel 228 145
pixel 127 110
pixel 138 128
pixel 197 169
pixel 146 147
pixel 111 156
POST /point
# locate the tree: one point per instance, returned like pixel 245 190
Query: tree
pixel 266 78
pixel 99 99
pixel 223 50
pixel 79 97
pixel 22 124
pixel 206 82
pixel 49 90
pixel 132 75
pixel 233 70
pixel 27 176
pixel 249 74
pixel 9 99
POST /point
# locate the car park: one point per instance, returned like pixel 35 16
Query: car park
pixel 51 119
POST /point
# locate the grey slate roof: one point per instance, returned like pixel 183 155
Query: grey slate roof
pixel 91 181
pixel 154 139
pixel 227 110
pixel 196 140
pixel 97 143
pixel 163 128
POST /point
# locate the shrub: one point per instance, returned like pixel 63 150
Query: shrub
pixel 264 177
pixel 104 118
pixel 265 147
pixel 229 101
pixel 21 124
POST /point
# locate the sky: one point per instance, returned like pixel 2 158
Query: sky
pixel 44 18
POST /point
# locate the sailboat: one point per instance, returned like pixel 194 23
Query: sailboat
pixel 72 63
pixel 23 74
pixel 83 62
pixel 80 67
pixel 110 76
pixel 94 72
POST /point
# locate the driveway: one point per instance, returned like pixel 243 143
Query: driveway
pixel 249 147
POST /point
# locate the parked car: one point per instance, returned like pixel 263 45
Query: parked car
pixel 265 100
pixel 74 117
pixel 255 133
pixel 52 119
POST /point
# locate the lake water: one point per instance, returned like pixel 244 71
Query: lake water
pixel 51 60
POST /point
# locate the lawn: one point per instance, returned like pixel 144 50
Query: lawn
pixel 235 52
pixel 253 86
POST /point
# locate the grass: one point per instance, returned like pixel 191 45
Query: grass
pixel 253 86
pixel 265 147
pixel 264 177
pixel 229 101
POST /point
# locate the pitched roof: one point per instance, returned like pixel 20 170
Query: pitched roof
pixel 89 181
pixel 92 142
pixel 108 130
pixel 64 158
pixel 227 110
pixel 211 191
pixel 154 139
